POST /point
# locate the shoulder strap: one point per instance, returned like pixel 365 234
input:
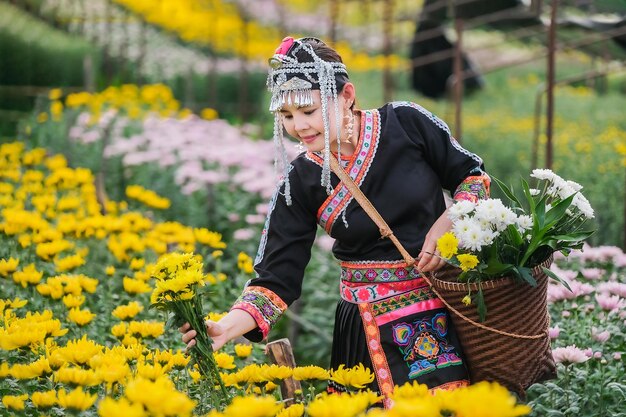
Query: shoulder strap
pixel 371 211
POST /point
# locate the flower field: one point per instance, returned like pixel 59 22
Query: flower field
pixel 82 231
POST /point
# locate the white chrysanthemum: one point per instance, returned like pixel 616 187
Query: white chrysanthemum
pixel 574 185
pixel 524 222
pixel 534 191
pixel 503 218
pixel 582 204
pixel 460 209
pixel 489 209
pixel 545 174
pixel 464 225
pixel 475 238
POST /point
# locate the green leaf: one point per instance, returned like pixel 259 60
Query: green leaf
pixel 507 191
pixel 480 304
pixel 574 236
pixel 555 277
pixel 516 238
pixel 525 274
pixel 557 212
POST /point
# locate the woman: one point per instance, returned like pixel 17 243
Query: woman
pixel 401 157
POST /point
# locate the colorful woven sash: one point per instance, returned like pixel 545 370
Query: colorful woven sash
pixel 369 281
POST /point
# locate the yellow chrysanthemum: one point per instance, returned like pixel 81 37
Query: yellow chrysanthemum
pixel 448 245
pixel 310 372
pixel 8 266
pixel 44 399
pixel 296 410
pixel 224 360
pixel 14 402
pixel 467 261
pixel 252 407
pixel 243 350
pixel 356 377
pixel 76 399
pixel 484 399
pixel 80 317
pixel 109 407
pixel 127 311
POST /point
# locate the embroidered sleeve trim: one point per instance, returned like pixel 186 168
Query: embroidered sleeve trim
pixel 473 188
pixel 263 305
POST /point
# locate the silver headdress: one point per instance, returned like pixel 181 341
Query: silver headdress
pixel 296 70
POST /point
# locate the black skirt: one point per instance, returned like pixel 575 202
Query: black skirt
pixel 408 343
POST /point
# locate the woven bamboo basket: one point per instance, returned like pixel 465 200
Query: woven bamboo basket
pixel 512 346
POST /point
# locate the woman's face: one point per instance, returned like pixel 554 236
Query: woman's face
pixel 307 125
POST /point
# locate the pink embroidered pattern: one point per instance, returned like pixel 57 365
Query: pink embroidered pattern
pixel 366 293
pixel 263 305
pixel 379 359
pixel 357 168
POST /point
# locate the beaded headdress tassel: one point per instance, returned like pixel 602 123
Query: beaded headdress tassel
pixel 291 82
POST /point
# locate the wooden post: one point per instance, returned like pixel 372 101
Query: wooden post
pixel 458 78
pixel 387 50
pixel 280 353
pixel 550 90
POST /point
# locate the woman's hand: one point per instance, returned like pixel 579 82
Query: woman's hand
pixel 428 259
pixel 215 330
pixel 236 323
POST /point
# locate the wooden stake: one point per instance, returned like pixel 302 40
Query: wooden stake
pixel 280 353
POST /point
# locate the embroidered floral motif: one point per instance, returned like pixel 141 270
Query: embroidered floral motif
pixel 473 188
pixel 367 293
pixel 424 346
pixel 377 354
pixel 263 305
pixel 378 273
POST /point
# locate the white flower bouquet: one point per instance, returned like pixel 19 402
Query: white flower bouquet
pixel 489 240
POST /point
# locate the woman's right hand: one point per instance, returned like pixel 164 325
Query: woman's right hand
pixel 215 330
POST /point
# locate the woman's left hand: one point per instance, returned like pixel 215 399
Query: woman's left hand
pixel 429 259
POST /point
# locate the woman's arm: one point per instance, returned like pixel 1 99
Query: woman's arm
pixel 234 324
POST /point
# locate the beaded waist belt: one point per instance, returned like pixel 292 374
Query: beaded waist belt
pixel 367 281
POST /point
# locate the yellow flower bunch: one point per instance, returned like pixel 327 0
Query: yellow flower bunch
pixel 177 274
pixel 147 197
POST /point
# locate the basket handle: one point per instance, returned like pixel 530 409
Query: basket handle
pixel 474 323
